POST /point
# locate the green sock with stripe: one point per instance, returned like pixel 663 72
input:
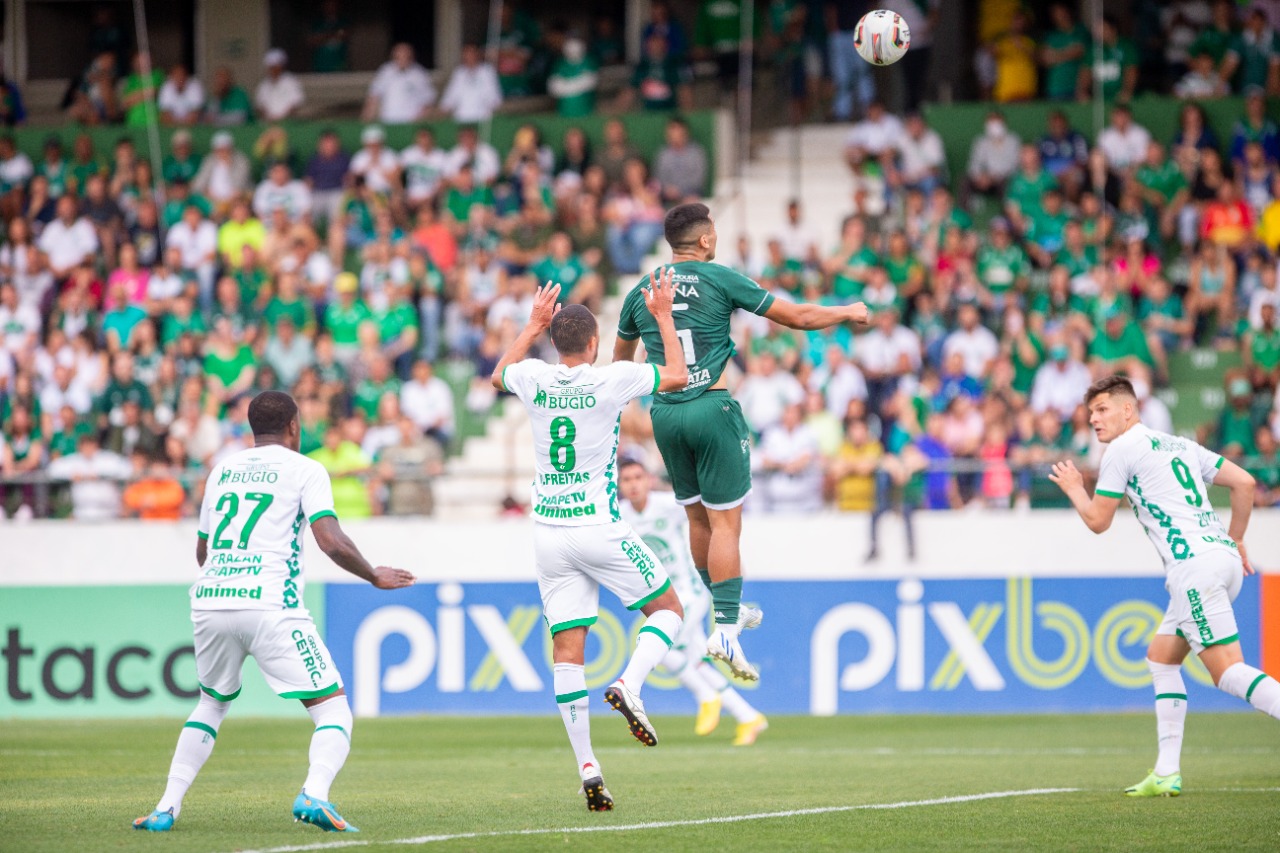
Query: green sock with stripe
pixel 570 683
pixel 652 644
pixel 706 578
pixel 726 598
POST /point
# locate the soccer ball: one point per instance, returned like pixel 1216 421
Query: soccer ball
pixel 881 37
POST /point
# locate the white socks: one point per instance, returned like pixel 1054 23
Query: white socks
pixel 195 745
pixel 1254 686
pixel 652 645
pixel 330 744
pixel 571 697
pixel 1171 714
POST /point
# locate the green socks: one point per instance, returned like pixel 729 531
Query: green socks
pixel 706 578
pixel 726 598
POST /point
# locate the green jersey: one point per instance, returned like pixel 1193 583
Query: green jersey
pixel 999 269
pixel 1060 78
pixel 1025 192
pixel 1109 64
pixel 706 296
pixel 1265 348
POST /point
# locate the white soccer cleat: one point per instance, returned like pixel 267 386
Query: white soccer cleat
pixel 722 646
pixel 749 617
pixel 629 705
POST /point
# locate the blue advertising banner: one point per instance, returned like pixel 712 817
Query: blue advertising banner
pixel 826 647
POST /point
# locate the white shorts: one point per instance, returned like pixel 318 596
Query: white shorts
pixel 286 646
pixel 1200 594
pixel 574 562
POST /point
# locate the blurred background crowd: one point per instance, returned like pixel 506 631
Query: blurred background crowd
pixel 144 299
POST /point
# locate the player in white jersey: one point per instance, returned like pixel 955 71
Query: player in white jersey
pixel 661 522
pixel 248 602
pixel 1165 479
pixel 580 540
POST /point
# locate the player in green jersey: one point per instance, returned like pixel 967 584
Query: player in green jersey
pixel 699 428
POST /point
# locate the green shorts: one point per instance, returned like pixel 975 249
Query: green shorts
pixel 706 448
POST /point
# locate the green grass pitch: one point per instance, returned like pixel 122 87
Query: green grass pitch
pixel 75 786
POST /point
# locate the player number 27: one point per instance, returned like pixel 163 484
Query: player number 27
pixel 229 506
pixel 1188 482
pixel 563 456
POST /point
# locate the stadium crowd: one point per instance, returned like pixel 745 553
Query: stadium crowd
pixel 135 323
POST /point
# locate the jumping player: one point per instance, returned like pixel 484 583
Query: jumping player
pixel 580 539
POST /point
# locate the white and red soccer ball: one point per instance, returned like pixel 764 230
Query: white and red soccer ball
pixel 882 37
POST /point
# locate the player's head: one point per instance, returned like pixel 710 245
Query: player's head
pixel 575 333
pixel 273 415
pixel 634 482
pixel 1113 407
pixel 690 231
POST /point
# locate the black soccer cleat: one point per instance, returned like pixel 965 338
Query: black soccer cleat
pixel 598 796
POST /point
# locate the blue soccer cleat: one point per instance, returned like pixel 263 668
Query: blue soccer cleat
pixel 320 813
pixel 157 821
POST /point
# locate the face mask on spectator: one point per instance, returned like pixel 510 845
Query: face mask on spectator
pixel 1058 353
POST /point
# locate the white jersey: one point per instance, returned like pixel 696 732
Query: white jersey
pixel 1166 481
pixel 663 526
pixel 255 504
pixel 575 414
pixel 423 171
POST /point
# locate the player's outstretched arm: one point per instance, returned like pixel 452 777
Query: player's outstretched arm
pixel 659 296
pixel 1099 511
pixel 625 350
pixel 339 547
pixel 544 309
pixel 1242 486
pixel 807 317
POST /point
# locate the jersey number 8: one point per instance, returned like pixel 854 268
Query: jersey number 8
pixel 563 456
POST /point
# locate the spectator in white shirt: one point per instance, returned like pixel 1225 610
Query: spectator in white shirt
pixel 1124 141
pixel 921 157
pixel 993 158
pixel 424 166
pixel 69 240
pixel 798 239
pixel 874 137
pixel 767 391
pixel 19 324
pixel 16 168
pixel 1060 382
pixel 374 162
pixel 64 390
pixel 224 174
pixel 839 380
pixel 401 91
pixel 790 465
pixel 427 400
pixel 181 97
pixel 885 354
pixel 473 92
pixel 483 157
pixel 279 95
pixel 95 476
pixel 974 341
pixel 281 191
pixel 196 238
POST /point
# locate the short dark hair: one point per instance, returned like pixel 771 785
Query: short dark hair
pixel 271 412
pixel 572 329
pixel 1114 384
pixel 684 223
pixel 630 462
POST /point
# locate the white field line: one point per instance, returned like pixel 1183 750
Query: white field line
pixel 668 824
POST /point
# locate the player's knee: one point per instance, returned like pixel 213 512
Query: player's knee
pixel 211 709
pixel 1156 667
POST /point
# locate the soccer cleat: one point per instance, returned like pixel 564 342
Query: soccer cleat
pixel 598 797
pixel 749 617
pixel 157 821
pixel 629 705
pixel 750 730
pixel 320 813
pixel 723 647
pixel 708 717
pixel 1157 786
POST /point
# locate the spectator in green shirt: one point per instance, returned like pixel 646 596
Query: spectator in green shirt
pixel 1265 467
pixel 717 35
pixel 1261 350
pixel 229 365
pixel 1216 39
pixel 370 390
pixel 345 462
pixel 573 81
pixel 344 315
pixel 183 163
pixel 1118 344
pixel 1062 52
pixel 1235 428
pixel 1113 65
pixel 578 284
pixel 228 104
pixel 1167 329
pixel 1027 186
pixel 1253 59
pixel 139 90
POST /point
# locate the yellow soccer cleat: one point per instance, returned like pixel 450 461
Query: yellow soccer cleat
pixel 750 730
pixel 708 717
pixel 1157 786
